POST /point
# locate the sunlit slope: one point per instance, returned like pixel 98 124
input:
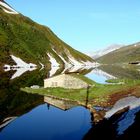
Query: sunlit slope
pixel 32 42
pixel 125 54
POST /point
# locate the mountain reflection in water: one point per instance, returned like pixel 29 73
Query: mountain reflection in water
pixel 26 116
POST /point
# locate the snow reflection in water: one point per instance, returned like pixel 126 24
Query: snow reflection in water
pixel 128 118
pixel 99 76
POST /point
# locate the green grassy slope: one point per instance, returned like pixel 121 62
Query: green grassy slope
pixel 125 54
pixel 31 42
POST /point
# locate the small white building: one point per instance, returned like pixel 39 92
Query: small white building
pixel 66 81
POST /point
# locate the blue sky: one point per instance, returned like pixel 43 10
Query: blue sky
pixel 86 25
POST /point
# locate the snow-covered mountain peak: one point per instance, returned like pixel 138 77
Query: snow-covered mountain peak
pixel 7 8
pixel 106 50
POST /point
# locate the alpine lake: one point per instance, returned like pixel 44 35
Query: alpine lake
pixel 108 107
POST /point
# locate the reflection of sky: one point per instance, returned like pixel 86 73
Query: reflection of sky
pixel 53 123
pixel 97 78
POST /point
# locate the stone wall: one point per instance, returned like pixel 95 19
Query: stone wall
pixel 75 83
pixel 65 81
pixel 56 81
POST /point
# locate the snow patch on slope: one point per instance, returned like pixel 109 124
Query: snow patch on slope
pixel 53 61
pixel 53 71
pixel 72 65
pixel 54 65
pixel 81 63
pixel 109 49
pixel 20 63
pixel 20 67
pixel 74 69
pixel 7 8
pixel 74 62
pixel 67 65
pixel 64 61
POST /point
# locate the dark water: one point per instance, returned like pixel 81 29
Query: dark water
pixel 53 123
pixel 26 116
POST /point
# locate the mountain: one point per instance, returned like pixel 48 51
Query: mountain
pixel 121 72
pixel 32 43
pixel 106 50
pixel 126 54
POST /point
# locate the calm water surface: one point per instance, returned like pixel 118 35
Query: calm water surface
pixel 38 120
pixel 49 123
pixel 98 78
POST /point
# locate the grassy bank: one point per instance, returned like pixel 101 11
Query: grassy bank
pixel 97 94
